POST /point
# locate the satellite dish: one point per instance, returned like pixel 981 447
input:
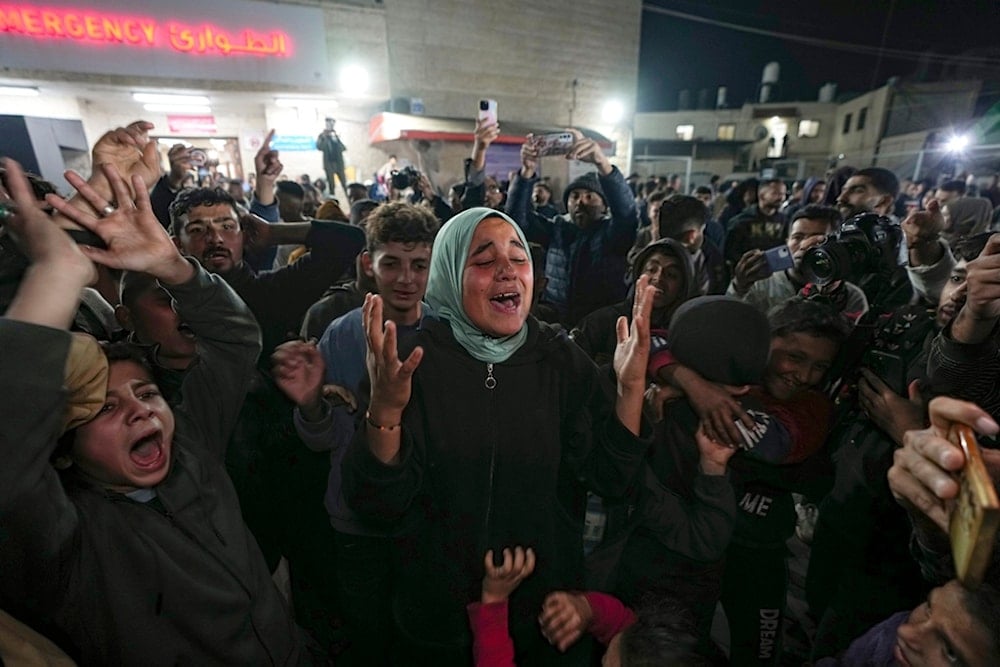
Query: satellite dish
pixel 760 133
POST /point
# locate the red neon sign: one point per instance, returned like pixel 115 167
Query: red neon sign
pixel 103 28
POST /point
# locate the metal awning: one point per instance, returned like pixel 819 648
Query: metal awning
pixel 387 126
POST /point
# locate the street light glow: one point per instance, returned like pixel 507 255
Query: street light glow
pixel 612 112
pixel 957 143
pixel 354 79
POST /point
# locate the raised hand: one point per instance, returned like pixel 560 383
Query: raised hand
pixel 632 352
pixel 751 267
pixel 486 134
pixel 132 153
pixel 49 292
pixel 632 357
pixel 923 476
pixel 588 150
pixel 391 379
pixel 924 225
pixel 500 582
pixel 565 617
pixel 978 316
pixel 268 168
pixel 134 238
pixel 529 158
pixel 298 371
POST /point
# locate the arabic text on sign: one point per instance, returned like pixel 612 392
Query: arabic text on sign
pixel 139 31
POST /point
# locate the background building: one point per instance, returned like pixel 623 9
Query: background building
pixel 288 65
pixel 903 126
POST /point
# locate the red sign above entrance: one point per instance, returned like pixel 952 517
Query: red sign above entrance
pixel 191 124
pixel 140 32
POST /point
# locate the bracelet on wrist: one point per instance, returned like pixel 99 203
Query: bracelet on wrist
pixel 379 427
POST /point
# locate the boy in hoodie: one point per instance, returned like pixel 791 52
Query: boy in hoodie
pixel 668 266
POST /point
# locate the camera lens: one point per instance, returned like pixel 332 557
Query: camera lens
pixel 484 105
pixel 820 266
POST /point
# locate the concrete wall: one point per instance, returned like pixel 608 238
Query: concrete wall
pixel 523 53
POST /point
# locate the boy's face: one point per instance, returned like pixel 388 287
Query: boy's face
pixel 666 275
pixel 400 273
pixel 127 445
pixel 798 362
pixel 803 235
pixel 942 632
pixel 153 320
pixel 952 294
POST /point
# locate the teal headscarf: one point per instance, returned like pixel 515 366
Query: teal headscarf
pixel 444 286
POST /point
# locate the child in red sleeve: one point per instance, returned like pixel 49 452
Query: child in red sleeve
pixel 567 615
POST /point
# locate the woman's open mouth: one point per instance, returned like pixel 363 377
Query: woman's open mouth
pixel 508 302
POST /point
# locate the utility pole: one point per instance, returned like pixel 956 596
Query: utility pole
pixel 572 107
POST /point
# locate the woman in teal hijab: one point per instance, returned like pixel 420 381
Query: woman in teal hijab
pixel 486 430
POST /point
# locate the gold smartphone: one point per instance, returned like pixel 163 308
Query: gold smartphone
pixel 976 515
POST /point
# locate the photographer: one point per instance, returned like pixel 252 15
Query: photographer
pixel 754 282
pixel 329 143
pixel 847 586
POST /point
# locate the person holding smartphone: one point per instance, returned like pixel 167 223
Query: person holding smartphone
pixel 586 248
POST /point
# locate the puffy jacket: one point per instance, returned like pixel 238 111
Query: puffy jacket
pixel 584 268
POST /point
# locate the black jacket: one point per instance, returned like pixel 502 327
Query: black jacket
pixel 486 469
pixel 176 581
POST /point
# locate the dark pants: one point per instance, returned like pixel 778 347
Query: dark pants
pixel 338 171
pixel 753 595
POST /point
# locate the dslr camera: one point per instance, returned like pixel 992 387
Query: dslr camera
pixel 407 177
pixel 865 244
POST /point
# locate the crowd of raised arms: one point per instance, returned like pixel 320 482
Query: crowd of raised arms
pixel 253 424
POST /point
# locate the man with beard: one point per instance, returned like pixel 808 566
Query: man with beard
pixel 927 259
pixel 586 247
pixel 206 225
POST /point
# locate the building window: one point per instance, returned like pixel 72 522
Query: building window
pixel 808 128
pixel 685 132
pixel 862 117
pixel 727 132
pixel 847 123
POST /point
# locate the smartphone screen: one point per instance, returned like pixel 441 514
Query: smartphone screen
pixel 779 258
pixel 557 143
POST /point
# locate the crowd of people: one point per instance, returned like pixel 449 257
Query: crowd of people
pixel 489 425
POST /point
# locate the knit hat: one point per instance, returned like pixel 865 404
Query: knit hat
pixel 723 339
pixel 588 181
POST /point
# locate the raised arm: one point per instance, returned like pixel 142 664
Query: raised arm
pixel 228 336
pixel 621 203
pixel 37 521
pixel 537 228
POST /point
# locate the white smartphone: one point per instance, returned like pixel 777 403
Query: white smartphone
pixel 488 111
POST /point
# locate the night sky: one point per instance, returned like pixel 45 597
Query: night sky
pixel 676 53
